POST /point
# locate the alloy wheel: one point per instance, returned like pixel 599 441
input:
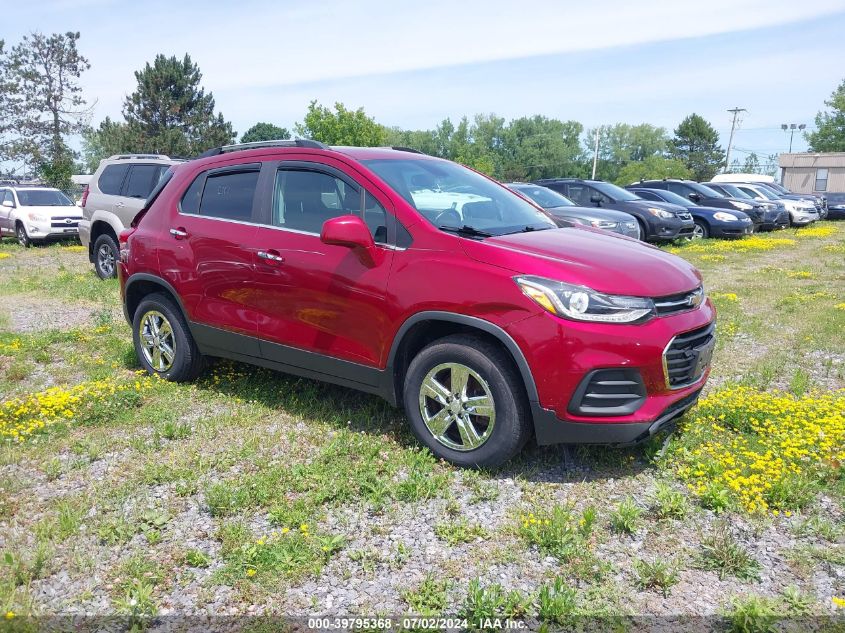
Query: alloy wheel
pixel 158 345
pixel 698 232
pixel 23 239
pixel 105 260
pixel 457 406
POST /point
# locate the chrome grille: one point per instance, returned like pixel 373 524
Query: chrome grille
pixel 679 302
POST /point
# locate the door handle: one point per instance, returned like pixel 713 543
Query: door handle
pixel 272 257
pixel 179 233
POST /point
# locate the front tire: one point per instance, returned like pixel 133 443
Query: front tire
pixel 105 256
pixel 163 342
pixel 465 401
pixel 700 231
pixel 21 234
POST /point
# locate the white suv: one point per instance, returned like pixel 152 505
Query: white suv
pixel 115 195
pixel 37 214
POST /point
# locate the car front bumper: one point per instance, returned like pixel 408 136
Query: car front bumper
pixel 732 229
pixel 85 232
pixel 564 354
pixel 51 230
pixel 803 218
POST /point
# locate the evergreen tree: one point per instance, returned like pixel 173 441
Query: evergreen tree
pixel 264 132
pixel 696 145
pixel 830 126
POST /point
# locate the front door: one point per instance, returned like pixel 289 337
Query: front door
pixel 6 197
pixel 322 307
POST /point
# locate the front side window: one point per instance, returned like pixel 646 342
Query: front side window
pixel 678 188
pixel 454 198
pixel 821 180
pixel 647 195
pixel 754 195
pixel 228 195
pixel 545 197
pixel 142 180
pixel 8 197
pixel 111 179
pixel 43 198
pixel 611 192
pixel 304 199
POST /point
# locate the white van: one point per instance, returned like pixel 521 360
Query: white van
pixel 742 178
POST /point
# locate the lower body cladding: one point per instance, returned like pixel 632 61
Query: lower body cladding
pixel 732 229
pixel 615 384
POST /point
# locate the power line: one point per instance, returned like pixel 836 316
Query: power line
pixel 735 111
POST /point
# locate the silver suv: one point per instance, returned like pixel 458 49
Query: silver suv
pixel 111 201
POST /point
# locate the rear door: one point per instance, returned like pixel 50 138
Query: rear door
pixel 207 255
pixel 105 196
pixel 322 307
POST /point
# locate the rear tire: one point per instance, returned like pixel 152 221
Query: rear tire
pixel 105 256
pixel 23 238
pixel 488 422
pixel 163 342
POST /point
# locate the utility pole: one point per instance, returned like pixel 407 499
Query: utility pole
pixel 735 111
pixel 596 153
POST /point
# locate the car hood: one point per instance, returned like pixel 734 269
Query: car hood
pixel 659 205
pixel 594 213
pixel 52 211
pixel 584 256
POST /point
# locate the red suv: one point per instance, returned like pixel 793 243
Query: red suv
pixel 422 281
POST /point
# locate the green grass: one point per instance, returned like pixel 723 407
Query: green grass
pixel 429 597
pixel 722 553
pixel 457 532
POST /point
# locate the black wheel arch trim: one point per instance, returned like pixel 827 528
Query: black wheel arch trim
pixel 474 322
pixel 135 278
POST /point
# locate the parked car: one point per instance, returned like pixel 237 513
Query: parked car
pixel 709 221
pixel 567 213
pixel 484 319
pixel 819 200
pixel 113 196
pixel 801 212
pixel 776 215
pixel 659 221
pixel 36 215
pixel 836 206
pixel 763 215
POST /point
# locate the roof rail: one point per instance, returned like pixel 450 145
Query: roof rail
pixel 400 148
pixel 141 156
pixel 238 147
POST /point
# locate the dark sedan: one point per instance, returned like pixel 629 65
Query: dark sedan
pixel 659 221
pixel 709 221
pixel 567 213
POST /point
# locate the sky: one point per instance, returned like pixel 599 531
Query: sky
pixel 412 64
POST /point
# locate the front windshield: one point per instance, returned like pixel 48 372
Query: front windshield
pixel 733 191
pixel 545 197
pixel 618 194
pixel 706 191
pixel 43 198
pixel 766 193
pixel 453 197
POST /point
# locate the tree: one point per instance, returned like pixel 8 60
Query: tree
pixel 538 147
pixel 170 113
pixel 341 127
pixel 6 101
pixel 621 144
pixel 264 132
pixel 43 75
pixel 652 168
pixel 109 138
pixel 696 145
pixel 830 126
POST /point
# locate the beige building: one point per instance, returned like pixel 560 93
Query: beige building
pixel 811 173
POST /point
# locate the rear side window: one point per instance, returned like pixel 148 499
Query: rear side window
pixel 228 195
pixel 142 180
pixel 111 179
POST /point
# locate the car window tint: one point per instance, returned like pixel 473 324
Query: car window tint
pixel 681 190
pixel 229 195
pixel 305 199
pixel 142 179
pixel 111 179
pixel 579 194
pixel 648 195
pixel 191 199
pixel 8 197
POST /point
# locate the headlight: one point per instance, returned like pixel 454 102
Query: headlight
pixel 725 217
pixel 603 224
pixel 37 217
pixel 580 303
pixel 660 213
pixel 742 206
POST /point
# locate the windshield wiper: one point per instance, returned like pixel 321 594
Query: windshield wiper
pixel 469 231
pixel 529 229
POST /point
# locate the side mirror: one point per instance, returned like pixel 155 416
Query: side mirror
pixel 694 197
pixel 9 204
pixel 595 199
pixel 351 231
